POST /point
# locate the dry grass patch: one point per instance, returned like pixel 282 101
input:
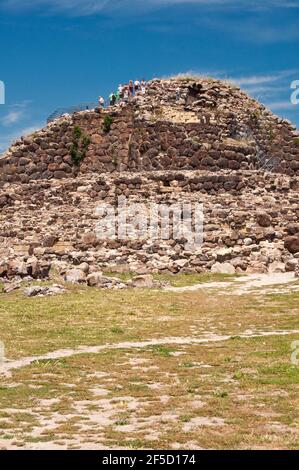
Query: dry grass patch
pixel 239 393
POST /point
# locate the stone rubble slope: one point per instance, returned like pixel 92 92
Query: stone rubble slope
pixel 250 224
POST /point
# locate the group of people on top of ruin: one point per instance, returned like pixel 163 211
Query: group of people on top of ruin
pixel 124 93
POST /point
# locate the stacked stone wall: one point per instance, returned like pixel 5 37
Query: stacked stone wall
pixel 249 219
pixel 214 128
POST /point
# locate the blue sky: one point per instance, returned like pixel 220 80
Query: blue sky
pixel 58 53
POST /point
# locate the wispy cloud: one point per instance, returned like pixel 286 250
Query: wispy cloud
pixel 254 80
pixel 90 7
pixel 14 122
pixel 280 105
pixel 217 15
pixel 273 90
pixel 12 117
pixel 6 139
pixel 16 112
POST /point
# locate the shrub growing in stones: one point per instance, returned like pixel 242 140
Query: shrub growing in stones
pixel 255 117
pixel 80 145
pixel 108 121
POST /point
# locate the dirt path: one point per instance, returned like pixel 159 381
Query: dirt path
pixel 8 366
pixel 243 285
pixel 201 388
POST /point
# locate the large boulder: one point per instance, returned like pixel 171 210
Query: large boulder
pixel 146 281
pixel 276 267
pixel 263 219
pixel 95 279
pixel 75 276
pixel 18 267
pixel 40 291
pixel 49 241
pixel 90 239
pixel 223 268
pixel 3 268
pixel 291 243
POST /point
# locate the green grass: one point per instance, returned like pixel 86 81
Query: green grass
pixel 180 280
pixel 150 397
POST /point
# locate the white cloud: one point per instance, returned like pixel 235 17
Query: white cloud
pixel 256 80
pixel 16 112
pixel 273 79
pixel 7 139
pixel 12 117
pixel 273 89
pixel 280 105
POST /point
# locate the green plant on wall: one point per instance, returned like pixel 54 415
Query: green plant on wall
pixel 108 121
pixel 255 116
pixel 271 135
pixel 80 145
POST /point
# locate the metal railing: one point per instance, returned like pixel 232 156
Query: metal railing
pixel 271 164
pixel 70 110
pixel 265 161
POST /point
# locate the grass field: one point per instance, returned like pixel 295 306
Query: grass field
pixel 175 370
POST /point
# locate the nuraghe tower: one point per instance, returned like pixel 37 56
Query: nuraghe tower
pixel 208 143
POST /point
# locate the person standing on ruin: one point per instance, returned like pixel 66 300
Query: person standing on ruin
pixel 126 94
pixel 137 86
pixel 143 86
pixel 112 99
pixel 131 88
pixel 121 91
pixel 101 102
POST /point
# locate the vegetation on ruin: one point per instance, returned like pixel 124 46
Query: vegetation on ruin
pixel 80 144
pixel 107 123
pixel 255 116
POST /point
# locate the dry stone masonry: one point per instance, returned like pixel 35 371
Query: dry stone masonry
pixel 207 143
pixel 212 126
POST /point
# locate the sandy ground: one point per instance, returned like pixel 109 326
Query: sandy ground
pixel 8 366
pixel 245 284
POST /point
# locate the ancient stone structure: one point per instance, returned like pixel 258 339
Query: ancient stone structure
pixel 203 141
pixel 212 126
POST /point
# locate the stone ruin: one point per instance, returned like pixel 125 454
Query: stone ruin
pixel 207 143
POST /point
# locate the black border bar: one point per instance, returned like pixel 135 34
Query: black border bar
pixel 152 458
